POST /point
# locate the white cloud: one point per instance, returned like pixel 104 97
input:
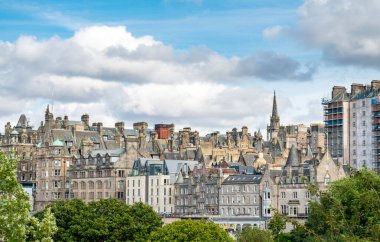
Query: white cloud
pixel 347 31
pixel 112 75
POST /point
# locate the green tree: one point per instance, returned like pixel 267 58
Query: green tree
pixel 348 210
pixel 15 223
pixel 44 230
pixel 277 224
pixel 191 230
pixel 249 234
pixel 14 202
pixel 104 220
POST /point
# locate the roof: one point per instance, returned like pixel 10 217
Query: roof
pixel 57 142
pixel 242 179
pixel 293 157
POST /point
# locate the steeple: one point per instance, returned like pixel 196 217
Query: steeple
pixel 274 108
pixel 274 126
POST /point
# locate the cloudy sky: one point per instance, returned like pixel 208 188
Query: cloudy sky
pixel 211 65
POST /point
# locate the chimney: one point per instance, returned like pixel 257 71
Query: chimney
pixel 338 90
pixel 85 119
pixel 120 127
pixel 375 85
pixel 356 88
pixel 99 126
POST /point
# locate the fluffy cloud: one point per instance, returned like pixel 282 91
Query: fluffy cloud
pixel 107 71
pixel 347 31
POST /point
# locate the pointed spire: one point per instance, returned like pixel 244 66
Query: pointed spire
pixel 180 177
pixel 274 108
pixel 309 153
pixel 293 157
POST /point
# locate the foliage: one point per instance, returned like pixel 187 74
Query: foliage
pixel 14 202
pixel 276 224
pixel 44 230
pixel 347 211
pixel 191 230
pixel 15 224
pixel 104 220
pixel 249 234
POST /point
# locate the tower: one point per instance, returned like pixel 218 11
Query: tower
pixel 274 126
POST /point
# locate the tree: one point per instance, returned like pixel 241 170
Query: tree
pixel 191 230
pixel 104 220
pixel 15 224
pixel 44 230
pixel 277 224
pixel 348 210
pixel 14 202
pixel 249 234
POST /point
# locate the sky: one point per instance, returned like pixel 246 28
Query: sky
pixel 207 64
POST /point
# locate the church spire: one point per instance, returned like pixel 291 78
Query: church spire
pixel 274 108
pixel 274 126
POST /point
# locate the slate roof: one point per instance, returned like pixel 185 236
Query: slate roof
pixel 242 179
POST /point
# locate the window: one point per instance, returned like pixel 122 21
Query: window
pixel 23 167
pixel 57 184
pixel 307 209
pixel 293 210
pixel 295 195
pixel 354 152
pixel 363 133
pixel 353 124
pixel 120 195
pixel 363 104
pixel 57 162
pixel 363 113
pixel 307 194
pixel 354 115
pixel 364 123
pixel 91 174
pixel 284 209
pixel 57 172
pixel 354 142
pixel 121 173
pixel 353 133
pixel 363 142
pixel 364 152
pixel 354 105
pixel 283 195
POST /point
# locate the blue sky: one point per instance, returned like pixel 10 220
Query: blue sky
pixel 214 64
pixel 229 27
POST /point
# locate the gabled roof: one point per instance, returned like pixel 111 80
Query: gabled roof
pixel 293 157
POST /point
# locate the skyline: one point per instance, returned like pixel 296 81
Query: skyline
pixel 206 64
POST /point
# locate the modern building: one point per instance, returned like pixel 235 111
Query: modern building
pixel 352 125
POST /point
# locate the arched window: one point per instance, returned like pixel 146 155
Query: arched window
pixel 75 185
pixel 83 185
pixel 99 185
pixel 91 184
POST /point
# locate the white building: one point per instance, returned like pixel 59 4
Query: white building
pixel 352 122
pixel 152 182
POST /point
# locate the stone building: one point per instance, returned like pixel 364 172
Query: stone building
pixel 21 140
pixel 100 174
pixel 51 174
